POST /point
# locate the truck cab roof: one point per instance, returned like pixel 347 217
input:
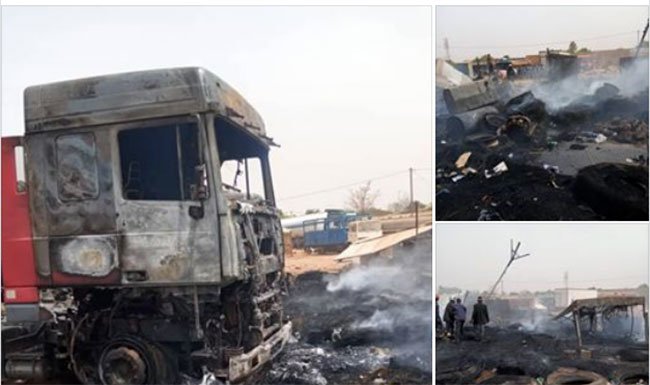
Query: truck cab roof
pixel 132 96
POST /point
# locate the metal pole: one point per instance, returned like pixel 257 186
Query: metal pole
pixel 576 320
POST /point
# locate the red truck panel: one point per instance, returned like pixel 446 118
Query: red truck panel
pixel 18 264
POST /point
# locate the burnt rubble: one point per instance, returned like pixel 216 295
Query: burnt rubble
pixel 584 157
pixel 513 355
pixel 367 325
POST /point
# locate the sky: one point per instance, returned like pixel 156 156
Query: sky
pixel 345 91
pixel 517 31
pixel 604 255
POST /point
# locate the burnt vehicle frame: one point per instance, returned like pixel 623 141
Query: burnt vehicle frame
pixel 154 267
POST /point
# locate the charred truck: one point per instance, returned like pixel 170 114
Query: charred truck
pixel 129 256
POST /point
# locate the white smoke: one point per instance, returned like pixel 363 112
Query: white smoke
pixel 630 81
pixel 380 320
pixel 364 278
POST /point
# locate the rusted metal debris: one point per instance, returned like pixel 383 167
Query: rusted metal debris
pixel 519 128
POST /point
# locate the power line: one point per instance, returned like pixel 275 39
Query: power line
pixel 542 44
pixel 344 186
pixel 422 177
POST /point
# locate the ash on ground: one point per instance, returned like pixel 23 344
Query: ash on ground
pixel 370 324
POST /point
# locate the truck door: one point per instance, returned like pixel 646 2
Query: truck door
pixel 166 213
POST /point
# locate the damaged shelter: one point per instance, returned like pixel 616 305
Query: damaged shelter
pixel 597 310
pixel 563 146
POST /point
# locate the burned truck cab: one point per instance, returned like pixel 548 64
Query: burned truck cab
pixel 154 228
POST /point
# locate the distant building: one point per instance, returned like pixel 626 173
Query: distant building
pixel 605 59
pixel 564 296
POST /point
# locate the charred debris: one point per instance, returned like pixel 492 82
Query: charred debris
pixel 550 338
pixel 596 341
pixel 568 147
pixel 370 324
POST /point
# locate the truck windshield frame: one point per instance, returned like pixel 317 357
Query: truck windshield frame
pixel 237 144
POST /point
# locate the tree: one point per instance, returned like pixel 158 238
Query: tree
pixel 312 211
pixel 401 205
pixel 583 50
pixel 573 47
pixel 362 198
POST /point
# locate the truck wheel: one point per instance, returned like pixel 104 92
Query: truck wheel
pixel 132 360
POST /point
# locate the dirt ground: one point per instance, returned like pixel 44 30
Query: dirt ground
pixel 302 262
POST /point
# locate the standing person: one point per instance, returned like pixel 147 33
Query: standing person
pixel 438 320
pixel 449 317
pixel 480 317
pixel 460 312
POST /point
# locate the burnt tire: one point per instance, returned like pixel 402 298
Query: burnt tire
pixel 449 371
pixel 634 354
pixel 630 376
pixel 615 191
pixel 565 376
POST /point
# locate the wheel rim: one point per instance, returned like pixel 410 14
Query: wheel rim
pixel 123 365
pixel 126 361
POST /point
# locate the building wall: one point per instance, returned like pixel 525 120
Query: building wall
pixel 564 297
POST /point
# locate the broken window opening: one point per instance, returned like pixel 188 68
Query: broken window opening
pixel 161 162
pixel 76 156
pixel 246 175
pixel 19 163
pixel 244 161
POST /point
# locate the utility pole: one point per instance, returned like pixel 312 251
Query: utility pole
pixel 566 287
pixel 566 281
pixel 414 204
pixel 411 184
pixel 513 257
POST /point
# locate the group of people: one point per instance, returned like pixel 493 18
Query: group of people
pixel 455 315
